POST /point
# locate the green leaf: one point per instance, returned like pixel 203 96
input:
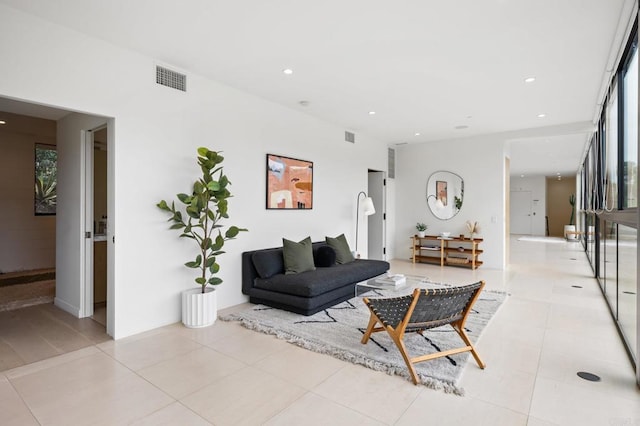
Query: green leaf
pixel 210 261
pixel 203 152
pixel 232 232
pixel 177 226
pixel 184 198
pixel 219 243
pixel 215 281
pixel 193 212
pixel 198 188
pixel 201 281
pixel 163 205
pixel 206 244
pixel 213 186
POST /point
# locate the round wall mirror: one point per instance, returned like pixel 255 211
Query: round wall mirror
pixel 445 193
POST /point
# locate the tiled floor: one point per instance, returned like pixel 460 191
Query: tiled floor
pixel 545 332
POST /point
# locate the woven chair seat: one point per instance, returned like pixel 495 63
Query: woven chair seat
pixel 422 310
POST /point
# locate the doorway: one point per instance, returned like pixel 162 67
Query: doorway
pixel 520 207
pixel 376 244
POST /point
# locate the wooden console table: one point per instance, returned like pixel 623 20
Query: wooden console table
pixel 454 251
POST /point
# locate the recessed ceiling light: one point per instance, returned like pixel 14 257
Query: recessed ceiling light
pixel 417 134
pixel 542 115
pixel 3 122
pixel 372 113
pixel 287 71
pixel 529 79
pixel 304 103
pixel 521 175
pixel 461 127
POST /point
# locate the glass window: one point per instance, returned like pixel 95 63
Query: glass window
pixel 611 277
pixel 627 284
pixel 630 131
pixel 611 191
pixel 46 179
pixel 602 227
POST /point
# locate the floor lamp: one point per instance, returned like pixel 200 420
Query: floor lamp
pixel 367 209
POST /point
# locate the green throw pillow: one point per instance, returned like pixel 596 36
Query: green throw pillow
pixel 341 247
pixel 298 257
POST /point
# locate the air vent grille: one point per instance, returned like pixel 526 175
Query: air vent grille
pixel 350 137
pixel 169 78
pixel 392 164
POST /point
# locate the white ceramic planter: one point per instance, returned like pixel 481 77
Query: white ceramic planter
pixel 570 228
pixel 421 234
pixel 199 309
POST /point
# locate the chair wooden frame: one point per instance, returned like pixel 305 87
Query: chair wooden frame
pixel 420 311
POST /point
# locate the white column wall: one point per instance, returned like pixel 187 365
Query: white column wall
pixel 480 163
pixel 156 133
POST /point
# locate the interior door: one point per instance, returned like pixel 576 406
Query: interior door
pixel 376 222
pixel 520 206
pixel 86 290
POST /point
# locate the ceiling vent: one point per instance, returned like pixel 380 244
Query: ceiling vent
pixel 169 78
pixel 392 164
pixel 350 137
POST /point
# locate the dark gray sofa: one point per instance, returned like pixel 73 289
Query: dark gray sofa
pixel 264 281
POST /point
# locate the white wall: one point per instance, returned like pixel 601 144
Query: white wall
pixel 537 186
pixel 27 241
pixel 480 163
pixel 156 133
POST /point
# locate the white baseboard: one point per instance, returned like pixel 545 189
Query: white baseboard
pixel 73 310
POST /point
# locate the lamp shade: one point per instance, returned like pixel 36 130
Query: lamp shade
pixel 367 206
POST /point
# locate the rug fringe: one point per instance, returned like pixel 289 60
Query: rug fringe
pixel 391 370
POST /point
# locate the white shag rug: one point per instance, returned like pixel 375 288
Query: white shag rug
pixel 337 331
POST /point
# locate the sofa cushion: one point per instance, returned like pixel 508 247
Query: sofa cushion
pixel 268 263
pixel 341 246
pixel 298 257
pixel 325 257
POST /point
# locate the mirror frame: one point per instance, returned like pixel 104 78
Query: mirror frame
pixel 447 187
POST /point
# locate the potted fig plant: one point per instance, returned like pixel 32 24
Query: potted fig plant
pixel 570 229
pixel 200 221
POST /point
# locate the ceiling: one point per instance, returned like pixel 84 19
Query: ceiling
pixel 430 70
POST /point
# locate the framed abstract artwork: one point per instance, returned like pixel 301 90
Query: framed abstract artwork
pixel 289 183
pixel 441 191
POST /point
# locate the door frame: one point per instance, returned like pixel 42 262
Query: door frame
pixel 86 289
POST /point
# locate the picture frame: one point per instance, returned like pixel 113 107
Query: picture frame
pixel 289 183
pixel 441 191
pixel 45 180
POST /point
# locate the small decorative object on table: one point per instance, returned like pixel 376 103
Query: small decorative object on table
pixel 473 228
pixel 396 280
pixel 421 227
